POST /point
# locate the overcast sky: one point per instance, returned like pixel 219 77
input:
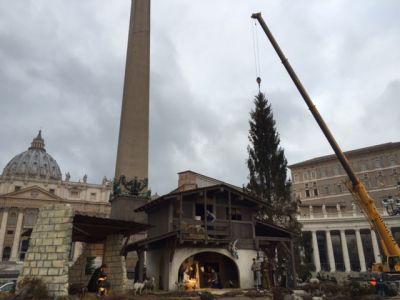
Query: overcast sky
pixel 62 68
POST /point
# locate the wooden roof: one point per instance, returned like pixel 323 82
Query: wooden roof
pixel 251 199
pixel 91 229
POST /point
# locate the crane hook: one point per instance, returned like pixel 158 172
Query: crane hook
pixel 258 80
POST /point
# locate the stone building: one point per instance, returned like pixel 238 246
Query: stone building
pixel 338 236
pixel 30 180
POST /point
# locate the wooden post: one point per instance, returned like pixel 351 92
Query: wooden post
pixel 293 264
pixel 141 264
pixel 205 216
pixel 180 217
pixel 230 214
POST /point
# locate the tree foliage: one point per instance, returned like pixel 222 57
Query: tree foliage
pixel 268 174
pixel 268 166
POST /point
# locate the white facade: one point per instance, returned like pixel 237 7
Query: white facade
pixel 338 237
pixel 344 224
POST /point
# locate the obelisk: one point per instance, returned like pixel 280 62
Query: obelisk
pixel 133 143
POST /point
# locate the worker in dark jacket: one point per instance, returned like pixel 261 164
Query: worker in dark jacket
pixel 98 281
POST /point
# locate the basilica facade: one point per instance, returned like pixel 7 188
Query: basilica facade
pixel 31 180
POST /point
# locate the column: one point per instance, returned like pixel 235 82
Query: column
pixel 3 227
pixel 17 237
pixel 141 264
pixel 345 251
pixel 331 256
pixel 375 247
pixel 317 261
pixel 339 211
pixel 324 212
pixel 360 251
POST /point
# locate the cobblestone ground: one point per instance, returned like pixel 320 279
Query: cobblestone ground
pixel 185 296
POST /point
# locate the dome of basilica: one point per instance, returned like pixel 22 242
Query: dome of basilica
pixel 35 162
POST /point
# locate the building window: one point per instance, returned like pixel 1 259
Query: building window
pixel 312 174
pixel 236 215
pixel 74 194
pixel 295 178
pixel 92 196
pixel 327 190
pixel 12 219
pixel 378 163
pixel 363 166
pixel 6 253
pixel 392 161
pixel 307 190
pixel 323 172
pixel 10 232
pixel 17 188
pixel 24 249
pixel 305 176
pixel 336 170
pixel 365 176
pixel 340 188
pixel 394 171
pixel 29 219
pixel 315 189
pixel 52 191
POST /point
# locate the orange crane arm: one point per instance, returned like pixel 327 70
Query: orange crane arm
pixel 388 242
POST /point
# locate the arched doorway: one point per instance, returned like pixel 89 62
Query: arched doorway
pixel 205 267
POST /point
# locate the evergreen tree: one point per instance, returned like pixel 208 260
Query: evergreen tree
pixel 268 166
pixel 268 173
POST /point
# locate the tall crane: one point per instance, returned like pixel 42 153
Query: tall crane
pixel 357 188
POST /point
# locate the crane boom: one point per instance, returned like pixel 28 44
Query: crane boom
pixel 389 244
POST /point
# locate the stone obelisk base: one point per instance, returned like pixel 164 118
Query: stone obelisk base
pixel 123 208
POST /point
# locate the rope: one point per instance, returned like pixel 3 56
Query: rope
pixel 256 52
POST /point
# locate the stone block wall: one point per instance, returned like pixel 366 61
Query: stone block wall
pixel 49 248
pixel 77 271
pixel 116 267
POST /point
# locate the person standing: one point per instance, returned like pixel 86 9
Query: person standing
pixel 266 282
pixel 256 268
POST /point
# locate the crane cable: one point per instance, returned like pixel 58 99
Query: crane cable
pixel 256 52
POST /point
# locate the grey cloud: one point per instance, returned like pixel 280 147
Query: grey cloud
pixel 63 69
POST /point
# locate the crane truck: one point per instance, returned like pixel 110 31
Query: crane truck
pixel 390 267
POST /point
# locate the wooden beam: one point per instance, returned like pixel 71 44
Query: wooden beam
pixel 285 246
pixel 123 249
pixel 205 215
pixel 81 230
pixel 293 264
pixel 180 216
pixel 140 253
pixel 230 213
pixel 173 247
pixel 273 239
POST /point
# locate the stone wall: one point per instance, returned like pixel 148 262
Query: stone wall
pixel 49 248
pixel 77 272
pixel 116 268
